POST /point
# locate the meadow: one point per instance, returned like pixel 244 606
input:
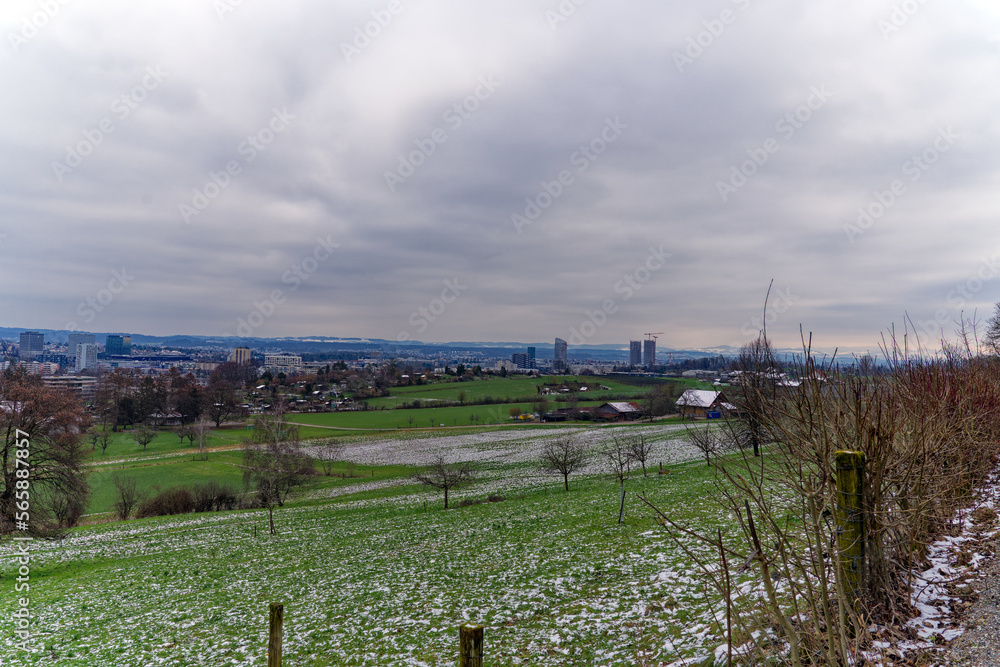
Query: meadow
pixel 372 571
pixel 511 387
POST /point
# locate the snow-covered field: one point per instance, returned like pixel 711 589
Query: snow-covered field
pixel 385 577
pixel 510 446
pixel 380 580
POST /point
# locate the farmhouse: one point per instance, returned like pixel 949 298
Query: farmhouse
pixel 618 411
pixel 701 404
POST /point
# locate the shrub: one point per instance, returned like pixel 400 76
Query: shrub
pixel 214 496
pixel 930 435
pixel 178 500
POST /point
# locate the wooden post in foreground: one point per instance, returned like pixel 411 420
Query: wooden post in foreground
pixel 274 637
pixel 470 646
pixel 850 469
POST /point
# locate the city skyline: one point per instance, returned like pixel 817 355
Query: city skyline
pixel 509 171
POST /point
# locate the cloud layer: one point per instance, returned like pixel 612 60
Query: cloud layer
pixel 318 168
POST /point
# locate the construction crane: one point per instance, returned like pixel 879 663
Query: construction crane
pixel 652 336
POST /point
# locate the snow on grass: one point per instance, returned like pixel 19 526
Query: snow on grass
pixel 510 446
pixel 381 581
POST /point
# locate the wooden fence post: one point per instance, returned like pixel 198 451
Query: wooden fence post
pixel 850 470
pixel 470 646
pixel 274 637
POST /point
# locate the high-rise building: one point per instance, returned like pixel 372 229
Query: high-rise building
pixel 86 356
pixel 118 346
pixel 560 355
pixel 77 339
pixel 524 360
pixel 635 353
pixel 32 344
pixel 241 355
pixel 649 352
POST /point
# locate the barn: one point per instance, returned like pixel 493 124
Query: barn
pixel 701 404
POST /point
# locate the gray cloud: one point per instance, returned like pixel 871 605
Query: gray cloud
pixel 688 116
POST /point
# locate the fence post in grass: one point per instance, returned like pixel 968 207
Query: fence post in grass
pixel 470 646
pixel 274 636
pixel 850 470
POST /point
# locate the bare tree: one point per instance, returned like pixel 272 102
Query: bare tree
pixel 220 400
pixel 144 436
pixel 102 438
pixel 68 505
pixel 199 433
pixel 330 451
pixel 707 440
pixel 993 330
pixel 273 463
pixel 660 400
pixel 618 460
pixel 564 456
pixel 40 430
pixel 757 372
pixel 127 495
pixel 446 476
pixel 640 448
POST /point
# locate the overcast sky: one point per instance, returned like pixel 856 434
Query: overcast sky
pixel 500 170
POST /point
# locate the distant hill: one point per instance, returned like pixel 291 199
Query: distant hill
pixel 328 344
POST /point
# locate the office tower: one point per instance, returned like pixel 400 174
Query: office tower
pixel 32 344
pixel 118 346
pixel 649 352
pixel 77 339
pixel 635 353
pixel 559 355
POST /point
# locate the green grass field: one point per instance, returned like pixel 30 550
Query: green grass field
pixel 381 575
pixel 515 386
pixel 376 420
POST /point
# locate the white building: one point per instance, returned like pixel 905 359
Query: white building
pixel 86 356
pixel 282 363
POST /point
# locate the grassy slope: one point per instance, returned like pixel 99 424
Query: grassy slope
pixel 376 579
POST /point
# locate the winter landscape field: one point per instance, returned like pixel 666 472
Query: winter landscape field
pixel 376 572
